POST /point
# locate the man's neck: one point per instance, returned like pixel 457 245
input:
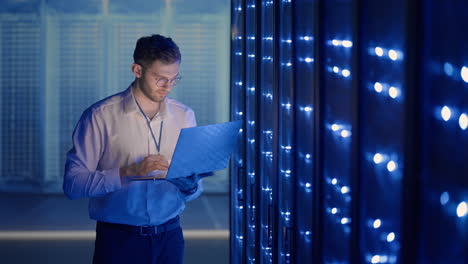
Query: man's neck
pixel 150 107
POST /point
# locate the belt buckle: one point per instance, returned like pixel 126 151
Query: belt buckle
pixel 152 229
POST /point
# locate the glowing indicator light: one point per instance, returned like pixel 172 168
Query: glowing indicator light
pixel 462 209
pixel 391 166
pixel 446 113
pixel 344 189
pixel 345 133
pixel 345 73
pixel 335 127
pixel 390 237
pixel 336 69
pixel 334 181
pixel 377 223
pixel 347 43
pixel 308 60
pixel 463 121
pixel 393 55
pixel 379 51
pixel 464 74
pixel 393 92
pixel 378 87
pixel 334 210
pixel 444 198
pixel 378 158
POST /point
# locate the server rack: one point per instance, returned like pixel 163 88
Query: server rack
pixel 355 131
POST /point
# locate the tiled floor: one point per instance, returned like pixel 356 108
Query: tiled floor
pixel 33 212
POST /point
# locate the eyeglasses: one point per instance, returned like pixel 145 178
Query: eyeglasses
pixel 162 82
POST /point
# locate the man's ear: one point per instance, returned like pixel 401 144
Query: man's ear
pixel 137 70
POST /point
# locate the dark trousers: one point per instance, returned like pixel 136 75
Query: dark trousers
pixel 115 245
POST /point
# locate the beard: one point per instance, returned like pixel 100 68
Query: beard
pixel 148 93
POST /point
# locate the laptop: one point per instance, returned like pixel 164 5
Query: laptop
pixel 199 150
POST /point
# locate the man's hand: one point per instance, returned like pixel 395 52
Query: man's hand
pixel 147 165
pixel 188 185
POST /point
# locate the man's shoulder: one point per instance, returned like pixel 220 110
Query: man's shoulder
pixel 112 103
pixel 178 106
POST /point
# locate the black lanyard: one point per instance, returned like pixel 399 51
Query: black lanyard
pixel 157 143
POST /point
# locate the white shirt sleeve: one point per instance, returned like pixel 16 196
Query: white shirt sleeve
pixel 81 178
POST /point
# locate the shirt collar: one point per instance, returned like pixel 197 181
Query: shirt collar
pixel 130 105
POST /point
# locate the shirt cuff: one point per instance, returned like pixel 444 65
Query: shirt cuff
pixel 112 181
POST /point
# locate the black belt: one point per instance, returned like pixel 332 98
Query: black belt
pixel 144 230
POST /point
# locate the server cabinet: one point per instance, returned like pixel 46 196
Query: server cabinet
pixel 354 146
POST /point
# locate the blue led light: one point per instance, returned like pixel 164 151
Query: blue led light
pixel 345 133
pixel 446 113
pixel 336 69
pixel 379 51
pixel 463 121
pixel 251 55
pixel 334 210
pixel 344 189
pixel 345 73
pixel 462 209
pixel 390 237
pixel 378 87
pixel 240 113
pixel 448 69
pixel 308 60
pixel 378 158
pixel 268 38
pixel 334 181
pixel 252 89
pixel 377 223
pixel 306 38
pixel 347 43
pixel 464 73
pixel 335 127
pixel 393 92
pixel 391 166
pixel 345 220
pixel 239 83
pixel 238 53
pixel 393 55
pixel 444 198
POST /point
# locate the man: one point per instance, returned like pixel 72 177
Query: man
pixel 134 133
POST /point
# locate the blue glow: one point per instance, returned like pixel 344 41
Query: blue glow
pixel 308 109
pixel 345 220
pixel 268 38
pixel 239 53
pixel 240 113
pixel 444 198
pixel 375 259
pixel 379 51
pixel 345 133
pixel 336 69
pixel 336 42
pixel 393 92
pixel 448 69
pixel 238 83
pixel 334 210
pixel 306 38
pixel 446 113
pixel 251 55
pixel 378 158
pixel 335 127
pixel 347 43
pixel 464 74
pixel 344 189
pixel 308 60
pixel 462 209
pixel 377 223
pixel 393 55
pixel 307 185
pixel 345 72
pixel 252 89
pixel 378 87
pixel 390 237
pixel 463 121
pixel 334 181
pixel 391 166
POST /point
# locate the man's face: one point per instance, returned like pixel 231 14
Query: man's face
pixel 155 81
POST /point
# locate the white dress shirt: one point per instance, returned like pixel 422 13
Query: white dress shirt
pixel 111 134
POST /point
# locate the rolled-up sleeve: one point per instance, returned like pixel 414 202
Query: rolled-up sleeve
pixel 81 178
